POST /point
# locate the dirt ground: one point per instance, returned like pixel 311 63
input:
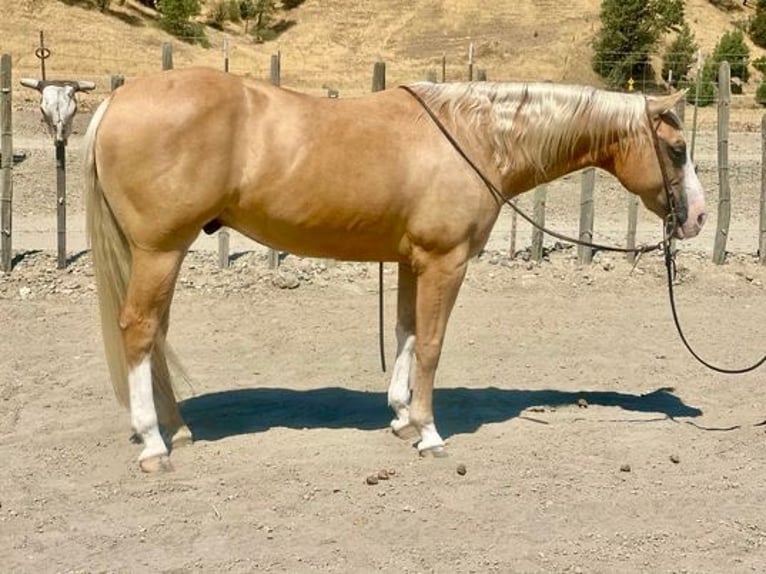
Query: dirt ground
pixel 591 440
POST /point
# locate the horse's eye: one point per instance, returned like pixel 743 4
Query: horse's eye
pixel 678 154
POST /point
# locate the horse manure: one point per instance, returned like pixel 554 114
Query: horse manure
pixel 383 474
pixel 625 468
pixel 461 470
pixel 372 479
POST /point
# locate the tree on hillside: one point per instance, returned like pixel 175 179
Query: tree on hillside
pixel 757 27
pixel 731 48
pixel 263 15
pixel 679 56
pixel 175 18
pixel 630 31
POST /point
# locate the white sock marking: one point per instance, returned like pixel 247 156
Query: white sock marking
pixel 143 415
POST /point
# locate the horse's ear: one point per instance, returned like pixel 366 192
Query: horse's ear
pixel 660 105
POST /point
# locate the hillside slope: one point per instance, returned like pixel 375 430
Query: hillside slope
pixel 335 42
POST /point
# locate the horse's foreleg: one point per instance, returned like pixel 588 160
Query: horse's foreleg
pixel 150 289
pixel 399 389
pixel 437 287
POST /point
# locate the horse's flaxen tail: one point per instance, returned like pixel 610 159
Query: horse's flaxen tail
pixel 110 252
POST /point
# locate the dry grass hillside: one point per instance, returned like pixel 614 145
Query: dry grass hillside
pixel 335 42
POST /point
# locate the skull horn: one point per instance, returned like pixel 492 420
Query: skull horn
pixel 34 84
pixel 84 85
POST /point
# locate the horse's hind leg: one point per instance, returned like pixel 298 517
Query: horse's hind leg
pixel 168 413
pixel 152 279
pixel 399 389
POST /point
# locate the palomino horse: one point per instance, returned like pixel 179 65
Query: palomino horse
pixel 364 179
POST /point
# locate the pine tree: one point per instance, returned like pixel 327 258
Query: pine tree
pixel 731 48
pixel 629 33
pixel 176 19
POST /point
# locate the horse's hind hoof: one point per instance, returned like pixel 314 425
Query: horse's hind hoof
pixel 182 437
pixel 155 464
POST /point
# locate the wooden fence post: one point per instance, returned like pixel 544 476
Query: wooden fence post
pixel 223 233
pixel 470 62
pixel 6 164
pixel 762 226
pixel 275 74
pixel 61 203
pixel 116 81
pixel 379 76
pixel 587 212
pixel 539 217
pixel 444 68
pixel 630 239
pixel 167 56
pixel 724 190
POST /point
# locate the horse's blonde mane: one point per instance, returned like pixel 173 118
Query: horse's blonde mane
pixel 540 123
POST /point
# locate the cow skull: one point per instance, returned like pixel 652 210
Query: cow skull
pixel 58 103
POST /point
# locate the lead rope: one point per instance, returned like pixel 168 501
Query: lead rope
pixel 670 270
pixel 381 336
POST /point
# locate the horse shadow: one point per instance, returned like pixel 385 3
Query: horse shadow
pixel 215 416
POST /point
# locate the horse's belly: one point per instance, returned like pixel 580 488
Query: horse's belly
pixel 337 239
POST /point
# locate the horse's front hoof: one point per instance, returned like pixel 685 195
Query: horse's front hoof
pixel 155 464
pixel 404 429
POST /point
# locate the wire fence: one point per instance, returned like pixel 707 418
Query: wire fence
pixel 35 226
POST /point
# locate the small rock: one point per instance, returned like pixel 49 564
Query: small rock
pixel 286 280
pixel 383 474
pixel 625 468
pixel 582 403
pixel 675 459
pixel 372 479
pixel 461 470
pixel 25 293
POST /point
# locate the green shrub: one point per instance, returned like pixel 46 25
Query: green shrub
pixel 760 94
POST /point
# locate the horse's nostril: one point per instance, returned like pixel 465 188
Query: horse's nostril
pixel 701 218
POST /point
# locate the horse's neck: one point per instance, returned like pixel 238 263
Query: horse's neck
pixel 535 151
